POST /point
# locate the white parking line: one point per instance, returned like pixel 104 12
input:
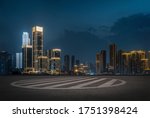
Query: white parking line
pixel 30 82
pixel 87 83
pixel 64 84
pixel 108 83
pixel 50 83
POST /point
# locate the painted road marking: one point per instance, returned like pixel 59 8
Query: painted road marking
pixel 74 83
pixel 87 83
pixel 64 84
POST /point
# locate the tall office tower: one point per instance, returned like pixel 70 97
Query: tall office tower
pixel 101 62
pixel 19 60
pixel 55 62
pixel 27 58
pixel 72 62
pixel 5 62
pixel 26 53
pixel 67 64
pixel 113 56
pixel 37 42
pixel 25 39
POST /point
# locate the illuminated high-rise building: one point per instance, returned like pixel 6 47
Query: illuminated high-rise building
pixel 134 62
pixel 26 53
pixel 137 57
pixel 37 42
pixel 19 60
pixel 55 62
pixel 25 39
pixel 113 56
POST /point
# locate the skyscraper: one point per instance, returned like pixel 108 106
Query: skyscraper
pixel 27 58
pixel 26 53
pixel 25 39
pixel 113 56
pixel 19 60
pixel 67 64
pixel 37 41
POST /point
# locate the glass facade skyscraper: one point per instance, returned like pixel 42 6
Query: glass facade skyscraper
pixel 26 53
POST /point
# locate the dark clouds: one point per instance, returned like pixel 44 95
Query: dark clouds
pixel 132 32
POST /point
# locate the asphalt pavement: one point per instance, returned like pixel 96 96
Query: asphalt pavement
pixel 74 88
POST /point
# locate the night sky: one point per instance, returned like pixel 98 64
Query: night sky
pixel 78 27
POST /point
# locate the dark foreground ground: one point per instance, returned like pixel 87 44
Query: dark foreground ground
pixel 137 88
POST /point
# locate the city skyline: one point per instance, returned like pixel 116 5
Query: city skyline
pixel 34 59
